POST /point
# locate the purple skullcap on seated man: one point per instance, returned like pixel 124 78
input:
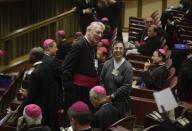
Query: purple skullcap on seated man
pixel 99 90
pixel 1 53
pixel 80 107
pixel 61 33
pixel 105 42
pixel 163 51
pixel 32 111
pixel 47 42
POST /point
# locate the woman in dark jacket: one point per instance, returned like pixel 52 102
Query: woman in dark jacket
pixel 116 76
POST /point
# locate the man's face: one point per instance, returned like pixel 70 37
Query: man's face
pixel 93 100
pixel 156 58
pixel 151 32
pixel 53 49
pixel 95 34
pixel 148 22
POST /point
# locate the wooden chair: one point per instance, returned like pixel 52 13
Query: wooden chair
pixel 137 72
pixel 10 93
pixel 142 92
pixel 151 128
pixel 168 63
pixel 141 107
pixel 138 57
pixel 172 82
pixel 117 128
pixel 137 64
pixel 7 128
pixel 171 72
pixel 127 122
pixel 135 18
pixel 168 55
pixel 114 35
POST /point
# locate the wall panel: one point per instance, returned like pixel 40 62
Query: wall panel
pixel 130 10
pixel 174 3
pixel 149 6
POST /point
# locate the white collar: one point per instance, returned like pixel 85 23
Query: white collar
pixel 37 63
pixel 117 64
pixel 88 40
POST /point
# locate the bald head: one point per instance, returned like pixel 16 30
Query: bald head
pixel 149 21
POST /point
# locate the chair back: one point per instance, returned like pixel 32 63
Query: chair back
pixel 168 55
pixel 151 128
pixel 171 73
pixel 114 35
pixel 172 82
pixel 118 128
pixel 127 122
pixel 168 63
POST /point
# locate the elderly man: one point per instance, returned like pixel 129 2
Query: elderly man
pixel 31 119
pixel 79 69
pixel 43 89
pixel 143 34
pixel 105 110
pixel 80 117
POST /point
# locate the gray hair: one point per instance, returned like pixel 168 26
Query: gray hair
pixel 98 95
pixel 32 121
pixel 36 54
pixel 95 24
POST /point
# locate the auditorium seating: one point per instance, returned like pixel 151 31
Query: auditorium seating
pixel 171 72
pixel 127 122
pixel 168 63
pixel 7 128
pixel 148 93
pixel 140 107
pixel 138 57
pixel 136 25
pixel 151 128
pixel 7 100
pixel 117 128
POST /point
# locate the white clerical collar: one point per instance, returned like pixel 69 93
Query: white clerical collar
pixel 37 63
pixel 46 54
pixel 87 40
pixel 117 64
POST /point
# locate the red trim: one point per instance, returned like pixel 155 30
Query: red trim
pixel 86 81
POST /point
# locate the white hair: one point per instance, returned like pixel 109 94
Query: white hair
pixel 32 121
pixel 95 24
pixel 95 93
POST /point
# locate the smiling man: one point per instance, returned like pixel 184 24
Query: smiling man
pixel 79 69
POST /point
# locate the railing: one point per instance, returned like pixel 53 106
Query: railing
pixel 19 42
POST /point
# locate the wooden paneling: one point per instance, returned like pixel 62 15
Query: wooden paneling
pixel 142 8
pixel 149 6
pixel 23 13
pixel 174 3
pixel 130 10
pixel 16 15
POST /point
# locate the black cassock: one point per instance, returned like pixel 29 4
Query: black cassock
pixel 44 91
pixel 106 115
pixel 79 72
